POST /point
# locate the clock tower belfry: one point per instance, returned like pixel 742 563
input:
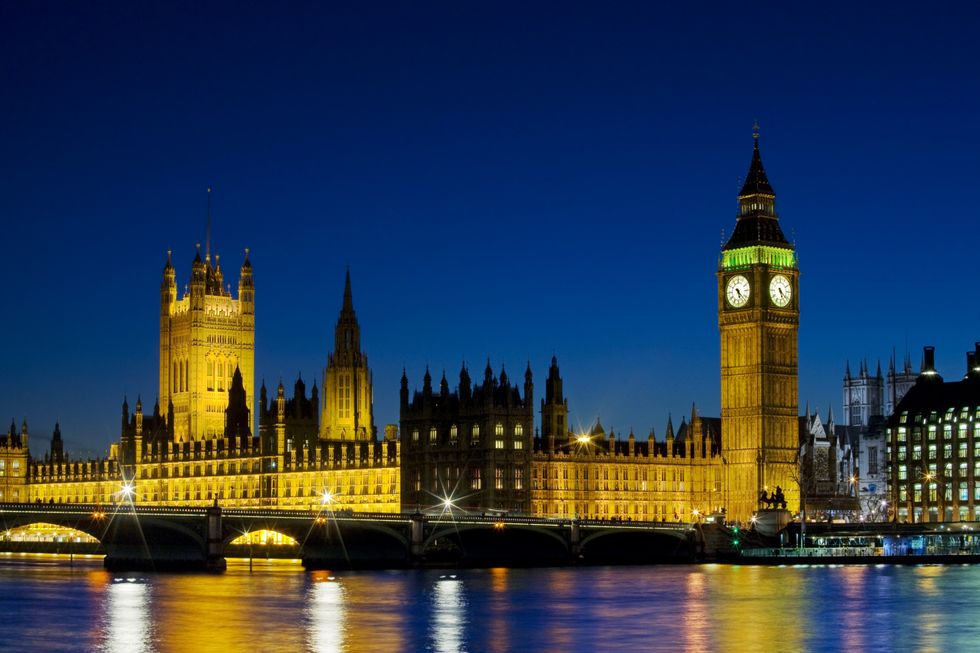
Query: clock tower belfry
pixel 759 318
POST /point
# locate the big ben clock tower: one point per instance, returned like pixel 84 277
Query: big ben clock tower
pixel 759 317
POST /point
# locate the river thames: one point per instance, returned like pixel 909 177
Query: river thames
pixel 47 605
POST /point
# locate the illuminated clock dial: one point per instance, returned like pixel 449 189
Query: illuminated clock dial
pixel 737 291
pixel 780 290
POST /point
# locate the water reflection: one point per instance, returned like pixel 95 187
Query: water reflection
pixel 128 616
pixel 693 608
pixel 327 614
pixel 448 617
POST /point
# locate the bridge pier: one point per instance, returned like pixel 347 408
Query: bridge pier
pixel 214 553
pixel 575 541
pixel 417 539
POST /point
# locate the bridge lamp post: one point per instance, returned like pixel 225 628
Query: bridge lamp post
pixel 584 441
pixel 128 491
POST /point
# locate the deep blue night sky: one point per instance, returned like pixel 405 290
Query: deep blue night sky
pixel 505 179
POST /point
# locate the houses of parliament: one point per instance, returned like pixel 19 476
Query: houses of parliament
pixel 486 441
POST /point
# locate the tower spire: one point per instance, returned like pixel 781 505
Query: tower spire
pixel 207 235
pixel 757 222
pixel 756 182
pixel 348 295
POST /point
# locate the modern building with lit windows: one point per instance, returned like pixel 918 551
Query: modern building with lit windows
pixel 934 446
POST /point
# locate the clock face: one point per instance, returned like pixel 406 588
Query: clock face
pixel 737 291
pixel 780 290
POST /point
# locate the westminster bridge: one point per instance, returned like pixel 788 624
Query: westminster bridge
pixel 132 536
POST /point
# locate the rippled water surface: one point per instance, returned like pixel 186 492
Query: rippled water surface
pixel 45 605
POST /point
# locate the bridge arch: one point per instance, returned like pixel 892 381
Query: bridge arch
pixel 493 544
pixel 91 526
pixel 636 546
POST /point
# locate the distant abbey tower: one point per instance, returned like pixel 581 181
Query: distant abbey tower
pixel 204 336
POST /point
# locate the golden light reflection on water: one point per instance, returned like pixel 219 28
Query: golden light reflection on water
pixel 279 607
pixel 926 630
pixel 327 614
pixel 499 615
pixel 753 607
pixel 696 614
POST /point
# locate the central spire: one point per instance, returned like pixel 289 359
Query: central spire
pixel 207 235
pixel 348 296
pixel 756 182
pixel 347 336
pixel 757 222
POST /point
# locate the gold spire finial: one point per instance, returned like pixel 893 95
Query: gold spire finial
pixel 755 130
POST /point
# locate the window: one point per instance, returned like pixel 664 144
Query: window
pixel 917 452
pixel 453 432
pixel 947 451
pixel 902 453
pixel 518 444
pixel 476 482
pixel 518 479
pixel 415 435
pixel 498 429
pixel 498 444
pixel 433 434
pixel 475 434
pixel 901 434
pixel 518 430
pixel 902 472
pixel 344 396
pixel 932 452
pixel 873 460
pixel 499 478
pixel 210 375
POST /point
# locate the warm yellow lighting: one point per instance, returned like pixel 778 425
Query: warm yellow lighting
pixel 584 439
pixel 265 538
pixel 327 497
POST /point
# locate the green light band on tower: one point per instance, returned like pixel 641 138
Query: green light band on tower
pixel 742 257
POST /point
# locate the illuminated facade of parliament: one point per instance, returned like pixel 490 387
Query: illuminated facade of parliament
pixel 476 443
